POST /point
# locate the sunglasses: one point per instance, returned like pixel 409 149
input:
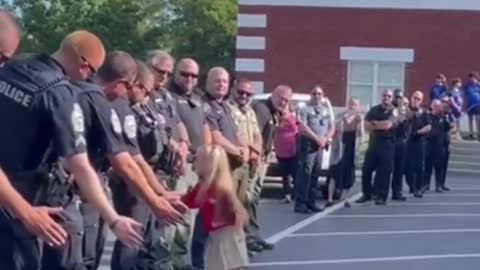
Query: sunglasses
pixel 387 96
pixel 188 75
pixel 141 86
pixel 416 98
pixel 92 69
pixel 244 93
pixel 317 94
pixel 162 72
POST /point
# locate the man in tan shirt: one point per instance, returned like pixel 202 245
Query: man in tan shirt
pixel 246 120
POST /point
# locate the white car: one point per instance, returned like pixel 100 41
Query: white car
pixel 298 100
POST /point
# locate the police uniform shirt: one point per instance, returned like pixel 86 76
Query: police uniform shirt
pixel 165 105
pixel 38 108
pixel 440 127
pixel 220 118
pixel 316 117
pixel 245 120
pixel 128 124
pixel 419 119
pixel 191 110
pixel 102 124
pixel 380 113
pixel 267 122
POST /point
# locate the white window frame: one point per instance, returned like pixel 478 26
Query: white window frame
pixel 375 84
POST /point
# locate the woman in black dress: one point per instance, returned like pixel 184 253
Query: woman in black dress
pixel 349 126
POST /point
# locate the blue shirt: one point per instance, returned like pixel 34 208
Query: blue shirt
pixel 437 91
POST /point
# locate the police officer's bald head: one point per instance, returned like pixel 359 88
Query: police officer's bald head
pixel 218 82
pixel 118 73
pixel 9 36
pixel 436 106
pixel 81 54
pixel 186 74
pixel 281 97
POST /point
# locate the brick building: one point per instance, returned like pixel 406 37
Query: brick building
pixel 356 47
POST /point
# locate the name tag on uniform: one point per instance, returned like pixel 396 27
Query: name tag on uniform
pixel 182 101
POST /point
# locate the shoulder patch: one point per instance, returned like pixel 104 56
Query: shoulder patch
pixel 117 127
pixel 206 108
pixel 395 112
pixel 77 119
pixel 130 127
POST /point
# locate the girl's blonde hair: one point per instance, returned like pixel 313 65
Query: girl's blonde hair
pixel 215 175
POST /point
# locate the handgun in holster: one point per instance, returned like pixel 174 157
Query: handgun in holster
pixel 56 189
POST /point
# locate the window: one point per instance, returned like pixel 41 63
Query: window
pixel 367 80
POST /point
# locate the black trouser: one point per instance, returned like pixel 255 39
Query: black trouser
pixel 399 166
pixel 378 159
pixel 288 169
pixel 19 250
pixel 153 254
pixel 199 241
pixel 445 164
pixel 69 256
pixel 95 236
pixel 414 171
pixel 435 161
pixel 307 176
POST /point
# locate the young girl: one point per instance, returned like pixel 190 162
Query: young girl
pixel 223 215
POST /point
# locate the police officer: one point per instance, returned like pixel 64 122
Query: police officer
pixel 117 79
pixel 446 101
pixel 37 220
pixel 104 140
pixel 381 122
pixel 191 109
pixel 246 121
pixel 161 63
pixel 36 91
pixel 317 130
pixel 401 133
pixel 419 127
pixel 437 146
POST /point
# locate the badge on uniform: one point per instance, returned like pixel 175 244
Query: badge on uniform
pixel 130 127
pixel 77 119
pixel 117 127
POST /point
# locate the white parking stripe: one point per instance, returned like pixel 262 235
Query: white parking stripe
pixel 385 232
pixel 367 260
pixel 435 204
pixel 302 224
pixel 439 215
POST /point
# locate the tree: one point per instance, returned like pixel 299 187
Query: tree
pixel 202 29
pixel 205 30
pixel 134 26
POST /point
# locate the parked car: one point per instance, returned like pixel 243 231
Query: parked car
pixel 298 100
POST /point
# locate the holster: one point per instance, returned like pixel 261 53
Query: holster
pixel 56 189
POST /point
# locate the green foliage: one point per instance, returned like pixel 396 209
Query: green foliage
pixel 202 29
pixel 208 31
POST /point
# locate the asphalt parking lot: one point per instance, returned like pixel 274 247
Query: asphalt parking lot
pixel 440 231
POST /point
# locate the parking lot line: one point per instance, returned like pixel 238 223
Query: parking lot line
pixel 444 195
pixel 368 260
pixel 435 204
pixel 439 215
pixel 302 224
pixel 464 230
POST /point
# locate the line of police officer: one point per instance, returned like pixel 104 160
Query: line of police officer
pixel 405 140
pixel 59 118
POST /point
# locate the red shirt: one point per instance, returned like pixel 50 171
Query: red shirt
pixel 285 137
pixel 207 209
